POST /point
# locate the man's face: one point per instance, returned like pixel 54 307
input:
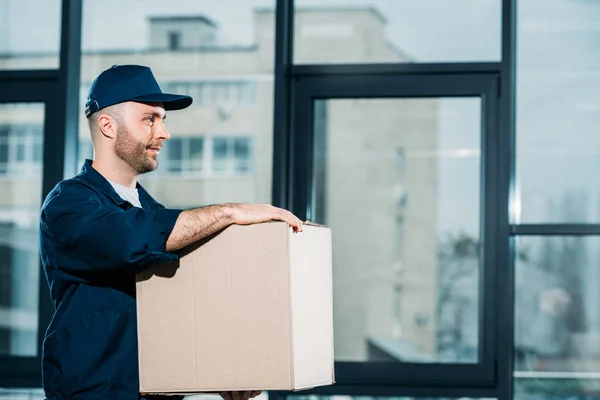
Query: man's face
pixel 140 135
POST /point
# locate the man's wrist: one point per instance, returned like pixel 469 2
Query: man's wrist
pixel 229 213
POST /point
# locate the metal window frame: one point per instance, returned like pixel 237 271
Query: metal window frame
pixel 287 75
pixel 435 377
pixel 58 89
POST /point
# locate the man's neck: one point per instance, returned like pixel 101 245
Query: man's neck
pixel 116 171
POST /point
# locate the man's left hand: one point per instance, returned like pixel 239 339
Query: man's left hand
pixel 240 395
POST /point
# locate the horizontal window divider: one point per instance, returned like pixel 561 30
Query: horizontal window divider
pixel 566 229
pixel 396 68
pixel 29 75
pixel 454 391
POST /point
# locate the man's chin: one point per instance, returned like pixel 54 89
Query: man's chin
pixel 150 166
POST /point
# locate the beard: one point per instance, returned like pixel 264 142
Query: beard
pixel 134 152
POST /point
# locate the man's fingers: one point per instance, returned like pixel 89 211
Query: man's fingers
pixel 289 218
pixel 244 395
pixel 240 395
pixel 295 221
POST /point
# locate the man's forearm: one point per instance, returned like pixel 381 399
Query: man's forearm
pixel 196 224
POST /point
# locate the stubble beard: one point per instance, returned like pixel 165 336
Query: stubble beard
pixel 133 152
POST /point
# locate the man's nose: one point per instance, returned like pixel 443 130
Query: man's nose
pixel 163 132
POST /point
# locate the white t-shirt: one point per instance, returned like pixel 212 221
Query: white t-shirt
pixel 129 194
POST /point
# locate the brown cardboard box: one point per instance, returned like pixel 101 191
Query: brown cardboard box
pixel 248 309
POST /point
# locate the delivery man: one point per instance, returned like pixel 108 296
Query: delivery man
pixel 100 228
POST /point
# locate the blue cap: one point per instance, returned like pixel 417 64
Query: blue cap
pixel 122 83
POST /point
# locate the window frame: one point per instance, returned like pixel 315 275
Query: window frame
pixel 285 183
pixel 58 90
pixel 310 89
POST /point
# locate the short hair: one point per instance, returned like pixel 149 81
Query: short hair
pixel 115 111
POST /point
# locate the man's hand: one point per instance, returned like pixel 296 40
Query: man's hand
pixel 193 225
pixel 239 395
pixel 246 214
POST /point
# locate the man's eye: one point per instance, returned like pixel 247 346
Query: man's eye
pixel 150 120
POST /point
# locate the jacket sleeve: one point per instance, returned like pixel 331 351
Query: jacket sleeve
pixel 91 237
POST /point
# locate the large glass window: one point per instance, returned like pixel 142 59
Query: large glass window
pixel 558 111
pixel 29 40
pixel 221 147
pixel 557 324
pixel 21 139
pixel 398 181
pixel 370 31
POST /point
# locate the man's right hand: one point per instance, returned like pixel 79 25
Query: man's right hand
pixel 246 214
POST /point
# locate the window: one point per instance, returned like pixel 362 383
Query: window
pixel 214 93
pixel 174 40
pixel 232 155
pixel 348 31
pixel 207 156
pixel 86 151
pixel 184 155
pixel 220 154
pixel 21 142
pixel 4 131
pixel 196 154
pixel 242 155
pixel 558 111
pixel 5 271
pixel 174 155
pixel 557 324
pixel 20 150
pixel 29 40
pixel 418 275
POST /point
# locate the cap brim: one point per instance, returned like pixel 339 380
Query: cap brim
pixel 170 101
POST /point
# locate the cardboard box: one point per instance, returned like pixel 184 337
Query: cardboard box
pixel 250 308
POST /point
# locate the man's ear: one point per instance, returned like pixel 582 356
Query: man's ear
pixel 107 126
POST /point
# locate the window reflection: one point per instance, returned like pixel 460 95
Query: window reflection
pixel 21 142
pixel 400 181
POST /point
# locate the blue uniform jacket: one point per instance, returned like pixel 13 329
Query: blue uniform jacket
pixel 92 243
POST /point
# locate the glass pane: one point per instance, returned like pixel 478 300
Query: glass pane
pixel 403 196
pixel 174 154
pixel 86 149
pixel 29 40
pixel 21 394
pixel 3 156
pixel 242 153
pixel 373 31
pixel 558 111
pixel 20 201
pixel 196 153
pixel 557 337
pixel 220 154
pixel 220 52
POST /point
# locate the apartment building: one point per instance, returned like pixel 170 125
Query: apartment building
pixel 379 199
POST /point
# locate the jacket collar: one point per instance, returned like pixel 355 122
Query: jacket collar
pixel 92 176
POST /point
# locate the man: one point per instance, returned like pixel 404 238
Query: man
pixel 100 228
